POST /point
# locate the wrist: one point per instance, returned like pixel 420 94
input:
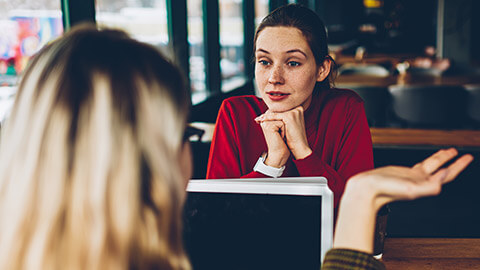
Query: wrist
pixel 274 160
pixel 361 192
pixel 267 170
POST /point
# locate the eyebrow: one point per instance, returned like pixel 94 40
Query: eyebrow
pixel 289 51
pixel 263 51
pixel 297 50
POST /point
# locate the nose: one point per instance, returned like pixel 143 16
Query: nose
pixel 276 75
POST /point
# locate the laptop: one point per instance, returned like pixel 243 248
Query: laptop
pixel 265 223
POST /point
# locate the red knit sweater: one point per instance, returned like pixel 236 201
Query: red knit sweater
pixel 336 128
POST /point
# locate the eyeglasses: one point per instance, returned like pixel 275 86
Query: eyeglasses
pixel 193 134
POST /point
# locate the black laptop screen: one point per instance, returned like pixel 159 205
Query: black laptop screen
pixel 252 231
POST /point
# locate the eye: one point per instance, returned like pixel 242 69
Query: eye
pixel 263 62
pixel 293 64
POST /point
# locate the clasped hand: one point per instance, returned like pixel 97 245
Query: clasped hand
pixel 285 134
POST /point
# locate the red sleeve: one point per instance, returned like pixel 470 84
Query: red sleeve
pixel 354 153
pixel 224 148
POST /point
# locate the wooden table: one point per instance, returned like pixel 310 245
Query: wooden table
pixel 351 80
pixel 425 137
pixel 431 253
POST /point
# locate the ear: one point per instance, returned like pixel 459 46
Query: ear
pixel 324 70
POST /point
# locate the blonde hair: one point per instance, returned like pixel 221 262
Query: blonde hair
pixel 89 177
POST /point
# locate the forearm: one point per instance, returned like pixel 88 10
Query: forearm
pixel 223 156
pixel 356 219
pixel 313 165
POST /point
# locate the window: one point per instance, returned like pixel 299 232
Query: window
pixel 261 10
pixel 197 52
pixel 144 20
pixel 232 64
pixel 25 27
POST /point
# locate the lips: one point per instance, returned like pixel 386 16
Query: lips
pixel 277 96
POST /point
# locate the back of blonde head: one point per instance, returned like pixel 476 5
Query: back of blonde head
pixel 88 178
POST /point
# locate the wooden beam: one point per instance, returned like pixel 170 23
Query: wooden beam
pixel 412 137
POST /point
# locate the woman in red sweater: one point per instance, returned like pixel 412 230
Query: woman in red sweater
pixel 300 126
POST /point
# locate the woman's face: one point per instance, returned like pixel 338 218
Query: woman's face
pixel 285 68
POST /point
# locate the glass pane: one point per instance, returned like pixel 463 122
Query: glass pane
pixel 197 56
pixel 261 10
pixel 25 27
pixel 144 20
pixel 232 64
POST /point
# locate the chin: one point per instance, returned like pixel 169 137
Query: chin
pixel 279 108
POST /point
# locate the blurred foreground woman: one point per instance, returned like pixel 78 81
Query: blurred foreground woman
pixel 90 171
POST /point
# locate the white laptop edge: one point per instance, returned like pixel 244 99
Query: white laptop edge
pixel 282 186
